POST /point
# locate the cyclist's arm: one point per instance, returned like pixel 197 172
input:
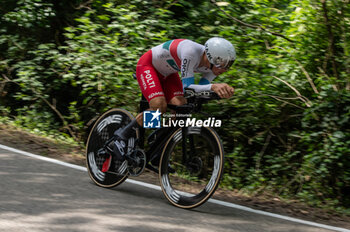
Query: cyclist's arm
pixel 187 72
pixel 222 89
pixel 203 85
pixel 190 60
pixel 189 83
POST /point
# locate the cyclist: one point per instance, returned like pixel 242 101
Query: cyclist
pixel 157 75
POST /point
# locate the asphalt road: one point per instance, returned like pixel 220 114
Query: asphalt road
pixel 40 196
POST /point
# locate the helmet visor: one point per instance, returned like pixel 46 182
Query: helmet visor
pixel 229 64
pixel 225 65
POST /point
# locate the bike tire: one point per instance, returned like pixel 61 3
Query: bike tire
pixel 188 187
pixel 103 129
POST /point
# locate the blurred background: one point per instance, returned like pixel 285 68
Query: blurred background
pixel 285 131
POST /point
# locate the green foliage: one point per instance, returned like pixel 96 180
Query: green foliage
pixel 30 14
pixel 286 130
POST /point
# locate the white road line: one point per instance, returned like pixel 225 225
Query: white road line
pixel 227 204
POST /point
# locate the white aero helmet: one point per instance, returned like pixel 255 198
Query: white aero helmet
pixel 220 52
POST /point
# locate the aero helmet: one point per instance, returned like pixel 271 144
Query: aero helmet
pixel 220 52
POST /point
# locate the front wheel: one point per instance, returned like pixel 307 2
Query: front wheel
pixel 191 166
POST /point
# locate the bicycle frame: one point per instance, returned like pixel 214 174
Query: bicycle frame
pixel 156 148
pixel 177 154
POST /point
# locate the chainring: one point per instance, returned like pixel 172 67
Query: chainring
pixel 138 165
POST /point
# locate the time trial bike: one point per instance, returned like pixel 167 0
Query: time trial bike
pixel 189 160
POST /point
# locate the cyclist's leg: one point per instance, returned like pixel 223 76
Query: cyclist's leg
pixel 170 88
pixel 149 81
pixel 150 84
pixel 174 90
pixel 148 78
pixel 157 103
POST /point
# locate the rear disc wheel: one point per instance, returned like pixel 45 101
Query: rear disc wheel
pixel 101 132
